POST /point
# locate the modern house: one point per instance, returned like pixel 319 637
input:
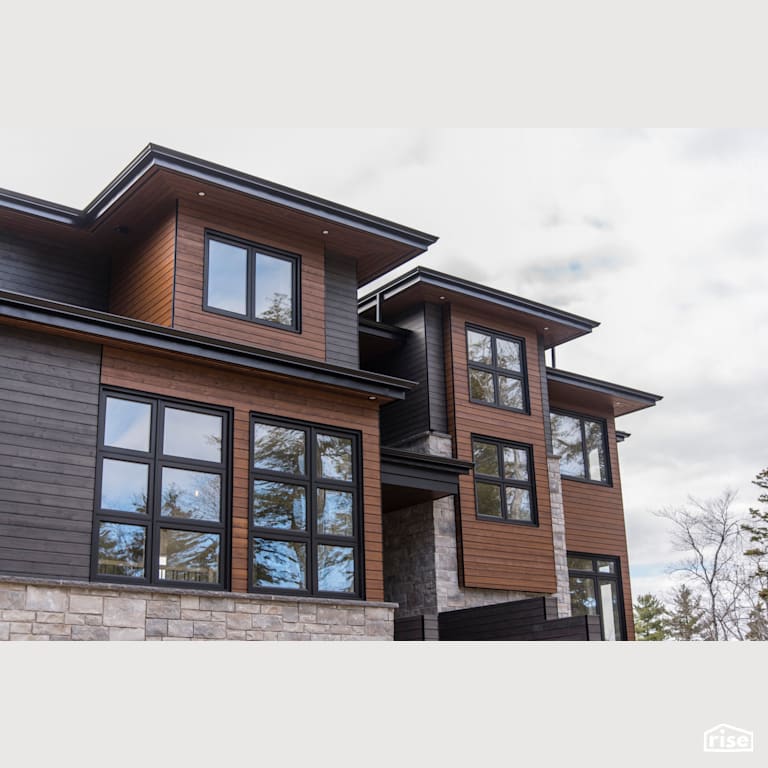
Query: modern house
pixel 205 434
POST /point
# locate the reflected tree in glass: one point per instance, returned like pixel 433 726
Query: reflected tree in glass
pixel 335 457
pixel 567 444
pixel 481 386
pixel 121 549
pixel 335 569
pixel 279 505
pixel 279 449
pixel 191 495
pixel 279 564
pixel 189 556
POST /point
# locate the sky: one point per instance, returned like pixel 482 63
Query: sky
pixel 428 119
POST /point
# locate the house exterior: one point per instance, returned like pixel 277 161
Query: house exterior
pixel 206 435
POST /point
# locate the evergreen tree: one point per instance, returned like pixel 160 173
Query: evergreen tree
pixel 686 619
pixel 758 535
pixel 757 626
pixel 649 618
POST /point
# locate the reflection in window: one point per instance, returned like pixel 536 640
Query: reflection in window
pixel 581 443
pixel 227 276
pixel 189 556
pixel 192 435
pixel 273 289
pixel 127 424
pixel 121 550
pixel 189 494
pixel 503 481
pixel 304 509
pixel 124 486
pixel 496 370
pixel 595 591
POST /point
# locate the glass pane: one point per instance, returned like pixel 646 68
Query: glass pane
pixel 334 512
pixel 609 610
pixel 274 289
pixel 335 457
pixel 583 601
pixel 507 354
pixel 279 505
pixel 278 449
pixel 518 504
pixel 189 556
pixel 579 563
pixel 596 451
pixel 227 276
pixel 192 495
pixel 481 386
pixel 127 424
pixel 566 443
pixel 281 564
pixel 479 347
pixel 124 486
pixel 192 435
pixel 515 463
pixel 335 569
pixel 486 458
pixel 511 392
pixel 121 549
pixel 488 500
pixel 606 566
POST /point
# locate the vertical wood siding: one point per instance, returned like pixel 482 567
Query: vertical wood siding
pixel 49 391
pixel 341 334
pixel 246 393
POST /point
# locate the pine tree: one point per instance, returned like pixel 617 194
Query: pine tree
pixel 758 535
pixel 686 619
pixel 757 626
pixel 649 618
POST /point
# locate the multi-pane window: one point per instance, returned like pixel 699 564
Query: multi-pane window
pixel 305 527
pixel 580 442
pixel 160 508
pixel 251 281
pixel 504 488
pixel 496 369
pixel 595 585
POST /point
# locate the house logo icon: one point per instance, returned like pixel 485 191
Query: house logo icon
pixel 728 738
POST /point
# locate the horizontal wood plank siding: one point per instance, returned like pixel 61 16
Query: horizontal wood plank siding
pixel 435 350
pixel 167 376
pixel 49 391
pixel 50 271
pixel 341 333
pixel 194 218
pixel 594 514
pixel 499 555
pixel 142 277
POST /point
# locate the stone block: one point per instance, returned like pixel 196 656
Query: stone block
pixel 210 630
pixel 46 599
pixel 267 622
pixel 272 609
pixel 330 614
pixel 93 621
pixel 125 633
pixel 356 616
pixel 307 612
pixel 193 614
pixel 163 609
pixel 377 614
pixel 157 627
pixel 190 602
pixel 29 637
pixel 51 629
pixel 86 604
pixel 216 604
pixel 21 627
pixel 238 621
pixel 180 628
pixel 44 617
pixel 74 618
pixel 254 634
pixel 125 612
pixel 382 629
pixel 290 612
pixel 13 599
pixel 18 615
pixel 247 606
pixel 236 634
pixel 5 630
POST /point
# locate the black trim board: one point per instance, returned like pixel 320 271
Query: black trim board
pixel 603 387
pixel 418 470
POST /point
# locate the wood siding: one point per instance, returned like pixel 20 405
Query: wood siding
pixel 341 334
pixel 194 218
pixel 49 393
pixel 49 271
pixel 499 555
pixel 245 393
pixel 142 277
pixel 594 514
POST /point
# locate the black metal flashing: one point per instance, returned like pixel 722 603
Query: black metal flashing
pixel 603 387
pixel 423 471
pixel 117 328
pixel 155 156
pixel 622 436
pixel 381 330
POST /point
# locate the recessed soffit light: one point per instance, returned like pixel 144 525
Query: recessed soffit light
pixel 201 194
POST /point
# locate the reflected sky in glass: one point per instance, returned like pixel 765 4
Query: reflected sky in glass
pixel 335 454
pixel 191 495
pixel 121 549
pixel 279 564
pixel 192 435
pixel 334 512
pixel 273 295
pixel 227 276
pixel 127 424
pixel 124 486
pixel 335 569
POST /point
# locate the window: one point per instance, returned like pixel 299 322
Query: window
pixel 161 492
pixel 305 509
pixel 497 370
pixel 596 591
pixel 504 488
pixel 581 444
pixel 250 281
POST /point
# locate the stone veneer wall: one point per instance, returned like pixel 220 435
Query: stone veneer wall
pixel 41 609
pixel 558 537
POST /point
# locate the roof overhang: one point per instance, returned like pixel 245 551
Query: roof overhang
pixel 604 395
pixel 104 327
pixel 158 174
pixel 427 285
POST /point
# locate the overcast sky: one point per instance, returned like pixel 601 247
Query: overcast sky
pixel 661 235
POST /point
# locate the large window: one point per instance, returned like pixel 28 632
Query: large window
pixel 305 502
pixel 161 492
pixel 251 282
pixel 596 591
pixel 581 444
pixel 504 487
pixel 496 370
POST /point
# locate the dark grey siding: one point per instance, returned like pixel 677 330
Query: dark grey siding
pixel 49 396
pixel 545 395
pixel 341 337
pixel 50 272
pixel 433 327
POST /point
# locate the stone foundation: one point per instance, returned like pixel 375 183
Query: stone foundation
pixel 41 609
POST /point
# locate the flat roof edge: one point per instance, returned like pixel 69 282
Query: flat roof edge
pixel 597 385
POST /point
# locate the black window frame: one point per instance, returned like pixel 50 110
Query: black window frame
pixel 582 417
pixel 496 371
pixel 502 482
pixel 596 575
pixel 311 481
pixel 153 521
pixel 252 249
